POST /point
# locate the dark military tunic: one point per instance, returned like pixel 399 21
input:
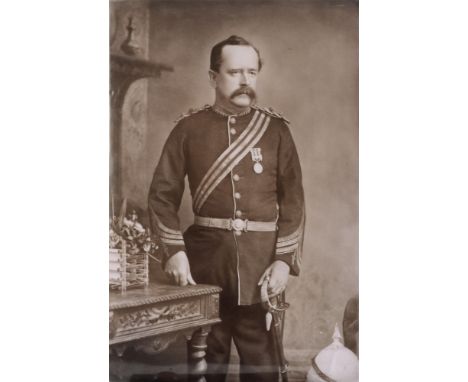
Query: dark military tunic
pixel 216 152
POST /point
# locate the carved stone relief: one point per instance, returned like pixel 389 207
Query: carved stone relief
pixel 129 36
pixel 134 121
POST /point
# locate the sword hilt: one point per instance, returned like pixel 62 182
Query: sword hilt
pixel 280 306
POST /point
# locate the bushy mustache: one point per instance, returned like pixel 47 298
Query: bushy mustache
pixel 244 90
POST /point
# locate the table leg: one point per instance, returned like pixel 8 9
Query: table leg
pixel 116 363
pixel 196 351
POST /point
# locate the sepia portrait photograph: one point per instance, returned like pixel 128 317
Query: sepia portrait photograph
pixel 233 245
pixel 227 190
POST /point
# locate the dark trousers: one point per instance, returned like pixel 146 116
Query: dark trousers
pixel 245 325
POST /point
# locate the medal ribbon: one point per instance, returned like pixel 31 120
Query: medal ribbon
pixel 256 154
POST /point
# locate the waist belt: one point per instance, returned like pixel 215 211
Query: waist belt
pixel 236 224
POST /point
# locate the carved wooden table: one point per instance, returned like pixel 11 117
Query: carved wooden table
pixel 155 316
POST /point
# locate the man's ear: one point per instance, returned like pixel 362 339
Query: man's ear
pixel 213 76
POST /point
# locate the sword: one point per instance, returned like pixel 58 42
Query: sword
pixel 275 315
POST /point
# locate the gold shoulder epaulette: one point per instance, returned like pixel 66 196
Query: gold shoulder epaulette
pixel 191 112
pixel 271 112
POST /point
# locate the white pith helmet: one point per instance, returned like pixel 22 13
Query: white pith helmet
pixel 334 363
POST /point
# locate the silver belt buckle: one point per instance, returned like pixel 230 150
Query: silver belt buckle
pixel 238 225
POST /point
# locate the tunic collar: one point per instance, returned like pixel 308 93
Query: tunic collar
pixel 220 111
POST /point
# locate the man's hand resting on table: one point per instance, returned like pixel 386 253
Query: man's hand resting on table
pixel 178 269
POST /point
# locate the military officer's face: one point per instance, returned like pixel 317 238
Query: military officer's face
pixel 236 80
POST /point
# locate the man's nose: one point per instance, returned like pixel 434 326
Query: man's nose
pixel 244 80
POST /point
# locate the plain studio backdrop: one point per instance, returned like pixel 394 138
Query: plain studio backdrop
pixel 310 74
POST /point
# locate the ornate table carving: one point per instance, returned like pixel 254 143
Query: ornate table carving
pixel 152 318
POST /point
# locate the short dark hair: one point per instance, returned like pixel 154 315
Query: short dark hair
pixel 216 51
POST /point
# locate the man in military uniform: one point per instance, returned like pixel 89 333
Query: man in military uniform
pixel 246 186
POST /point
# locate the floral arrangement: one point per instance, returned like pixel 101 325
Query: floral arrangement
pixel 129 230
pixel 130 247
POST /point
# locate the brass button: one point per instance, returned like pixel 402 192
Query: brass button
pixel 237 195
pixel 236 177
pixel 233 131
pixel 232 120
pixel 238 213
